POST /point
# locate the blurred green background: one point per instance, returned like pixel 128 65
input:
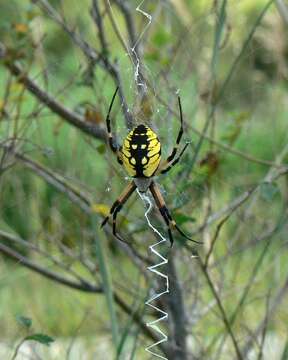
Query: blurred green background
pixel 178 53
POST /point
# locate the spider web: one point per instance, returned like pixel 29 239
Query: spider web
pixel 156 268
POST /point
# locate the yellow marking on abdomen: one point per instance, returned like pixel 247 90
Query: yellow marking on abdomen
pixel 153 143
pixel 151 167
pixel 126 152
pixel 151 134
pixel 153 159
pixel 155 150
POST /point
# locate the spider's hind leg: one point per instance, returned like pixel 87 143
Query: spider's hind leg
pixel 174 225
pixel 170 222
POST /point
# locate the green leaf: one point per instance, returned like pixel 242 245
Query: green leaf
pixel 40 338
pixel 24 321
pixel 101 149
pixel 268 191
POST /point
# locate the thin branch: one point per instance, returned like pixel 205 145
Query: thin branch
pixel 222 222
pixel 6 250
pixel 275 304
pixel 224 317
pixel 243 49
pixel 115 27
pixel 264 330
pixel 66 114
pixel 271 176
pixel 85 287
pixel 79 198
pixel 58 182
pixel 219 144
pixel 133 51
pixel 175 304
pixel 31 246
pixel 90 53
pixel 125 7
pixel 226 209
pixel 98 20
pixel 283 10
pixel 241 199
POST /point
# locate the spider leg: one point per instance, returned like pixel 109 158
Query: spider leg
pixel 112 145
pixel 174 151
pixel 117 206
pixel 166 214
pixel 166 169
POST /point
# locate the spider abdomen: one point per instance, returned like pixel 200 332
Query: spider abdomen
pixel 141 152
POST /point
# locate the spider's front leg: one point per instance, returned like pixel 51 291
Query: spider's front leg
pixel 171 161
pixel 166 167
pixel 171 157
pixel 112 142
pixel 113 147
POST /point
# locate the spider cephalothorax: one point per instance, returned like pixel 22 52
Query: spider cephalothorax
pixel 140 155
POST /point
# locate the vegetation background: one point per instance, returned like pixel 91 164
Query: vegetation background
pixel 68 284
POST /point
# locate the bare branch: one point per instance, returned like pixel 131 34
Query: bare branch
pixel 225 318
pixel 66 114
pixel 6 250
pixel 275 304
pixel 59 182
pixel 283 10
pixel 31 246
pixel 91 54
pixel 97 17
pixel 85 287
pixel 175 304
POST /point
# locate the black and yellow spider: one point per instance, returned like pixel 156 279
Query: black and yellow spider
pixel 141 154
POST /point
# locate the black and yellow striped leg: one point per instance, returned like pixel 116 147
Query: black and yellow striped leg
pixel 113 147
pixel 171 224
pixel 174 151
pixel 117 205
pixel 163 171
pixel 114 224
pixel 164 215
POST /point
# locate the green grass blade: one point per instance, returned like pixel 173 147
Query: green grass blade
pixel 218 35
pixel 285 351
pixel 107 281
pixel 134 309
